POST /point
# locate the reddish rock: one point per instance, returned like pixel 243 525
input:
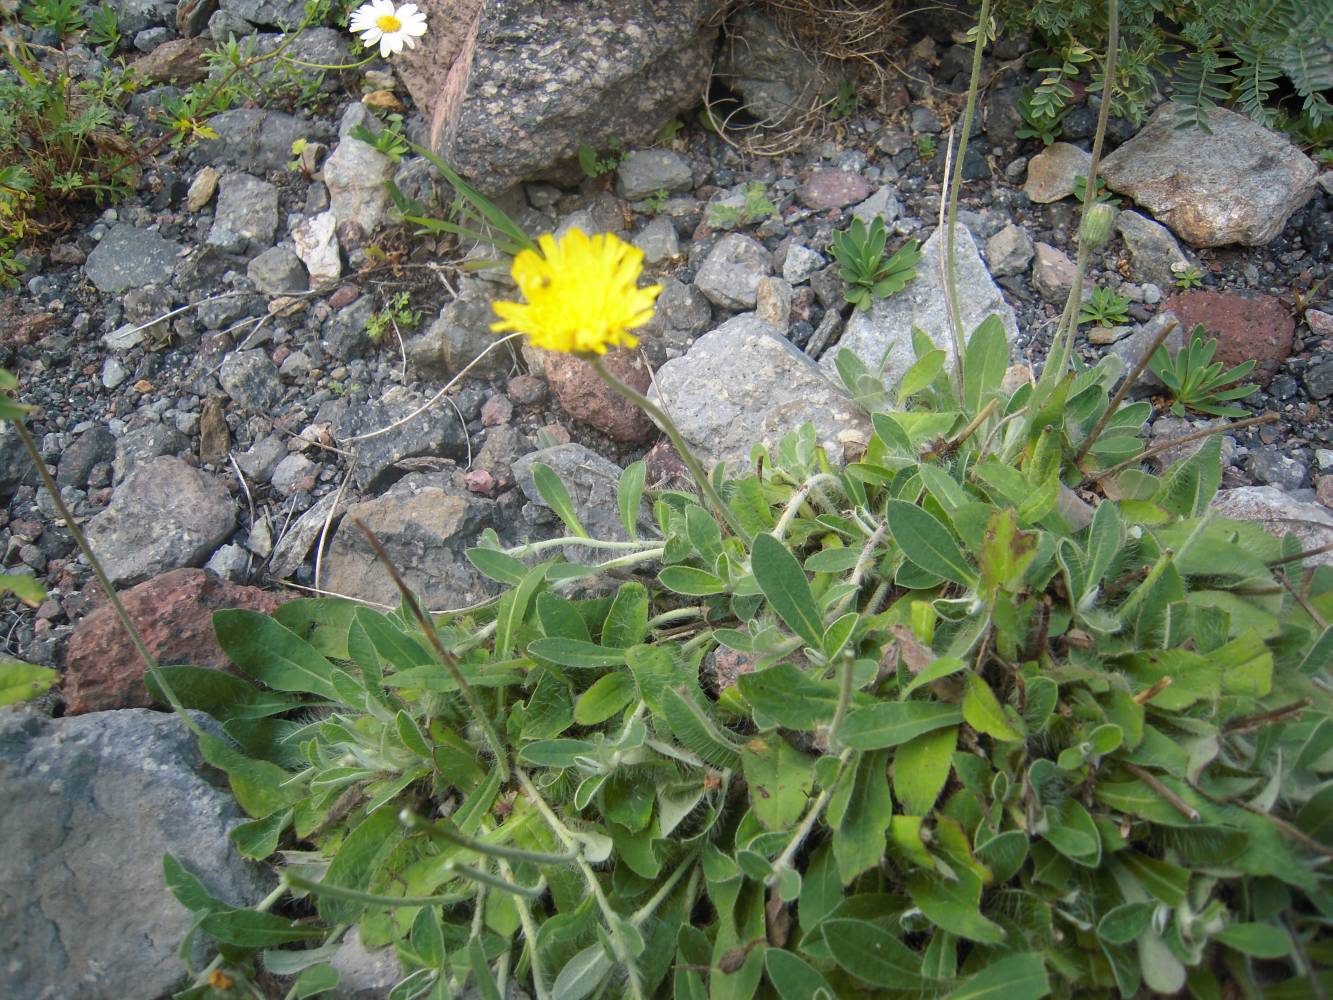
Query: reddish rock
pixel 481 482
pixel 1323 491
pixel 824 187
pixel 724 666
pixel 180 60
pixel 344 296
pixel 559 433
pixel 1257 326
pixel 584 396
pixel 665 470
pixel 526 390
pixel 496 411
pixel 174 614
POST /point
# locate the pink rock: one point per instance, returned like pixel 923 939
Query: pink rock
pixel 584 396
pixel 480 481
pixel 496 411
pixel 344 296
pixel 1253 326
pixel 825 187
pixel 174 614
pixel 526 390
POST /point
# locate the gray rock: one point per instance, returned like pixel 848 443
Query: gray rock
pixel 293 474
pixel 113 373
pixel 134 16
pixel 645 172
pixel 227 240
pixel 247 206
pixel 253 139
pixel 1051 172
pixel 251 379
pixel 1132 348
pixel 316 243
pixel 504 444
pixel 364 974
pixel 1009 251
pixel 104 796
pixel 229 562
pixel 259 461
pixel 1153 251
pixel 355 174
pixel 777 80
pixel 425 523
pixel 883 204
pixel 743 384
pixel 457 337
pixel 730 274
pixel 88 449
pixel 223 24
pixel 1279 514
pixel 1267 465
pixel 144 444
pixel 1052 273
pixel 322 45
pixel 278 271
pixel 591 481
pixel 166 514
pixel 298 536
pixel 801 262
pixel 658 241
pixel 345 335
pixel 128 257
pixel 684 307
pixel 772 303
pixel 435 433
pixel 1318 380
pixel 546 79
pixel 271 13
pixel 15 465
pixel 884 332
pixel 1237 183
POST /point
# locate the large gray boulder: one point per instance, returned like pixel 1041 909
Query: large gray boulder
pixel 425 523
pixel 129 258
pixel 1280 513
pixel 512 89
pixel 165 515
pixel 884 332
pixel 1236 183
pixel 744 384
pixel 93 802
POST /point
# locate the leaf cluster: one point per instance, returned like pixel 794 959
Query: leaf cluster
pixel 1106 307
pixel 917 728
pixel 1197 382
pixel 859 251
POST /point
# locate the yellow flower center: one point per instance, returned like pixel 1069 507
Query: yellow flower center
pixel 582 294
pixel 388 23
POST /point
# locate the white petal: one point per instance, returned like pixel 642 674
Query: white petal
pixel 406 11
pixel 416 25
pixel 391 45
pixel 370 36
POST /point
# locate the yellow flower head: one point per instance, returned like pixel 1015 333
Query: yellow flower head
pixel 582 294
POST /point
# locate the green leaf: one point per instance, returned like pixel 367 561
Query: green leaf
pixel 582 974
pixel 627 622
pixel 691 581
pixel 251 929
pixel 629 494
pixel 1161 879
pixel 838 633
pixel 1122 924
pixel 554 494
pixel 607 696
pixel 872 954
pixel 560 619
pixel 26 588
pixel 889 724
pixel 821 888
pixel 698 732
pixel 860 811
pixel 513 609
pixel 928 543
pixel 257 784
pixel 779 779
pixel 1017 977
pixel 923 372
pixel 1006 552
pixel 982 711
pixel 921 767
pixel 1191 484
pixel 783 582
pixel 189 891
pixel 1256 940
pixel 498 566
pixel 794 978
pixel 575 653
pixel 268 652
pixel 984 362
pixel 258 839
pixel 23 681
pixel 316 979
pixel 945 666
pixel 357 861
pixel 954 904
pixel 789 696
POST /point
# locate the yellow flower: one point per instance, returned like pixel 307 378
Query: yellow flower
pixel 582 294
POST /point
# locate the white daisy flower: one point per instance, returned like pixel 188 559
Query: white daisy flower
pixel 393 27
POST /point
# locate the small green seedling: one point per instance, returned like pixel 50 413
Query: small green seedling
pixel 1197 382
pixel 1187 277
pixel 860 253
pixel 1107 307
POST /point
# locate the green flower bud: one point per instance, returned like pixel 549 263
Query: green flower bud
pixel 1096 229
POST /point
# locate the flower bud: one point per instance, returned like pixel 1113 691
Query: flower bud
pixel 1096 228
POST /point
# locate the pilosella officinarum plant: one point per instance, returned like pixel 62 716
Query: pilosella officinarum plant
pixel 984 740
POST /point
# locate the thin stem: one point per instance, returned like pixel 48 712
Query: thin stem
pixel 1307 554
pixel 845 687
pixel 1172 799
pixel 647 909
pixel 450 662
pixel 442 831
pixel 955 183
pixel 675 615
pixel 808 823
pixel 794 503
pixel 1170 443
pixel 292 880
pixel 668 425
pixel 982 416
pixel 530 936
pixel 1128 383
pixel 532 548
